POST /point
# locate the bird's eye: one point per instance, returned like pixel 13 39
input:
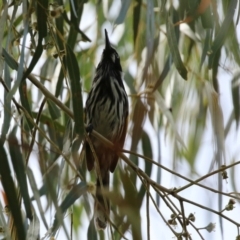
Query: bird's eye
pixel 117 56
pixel 113 57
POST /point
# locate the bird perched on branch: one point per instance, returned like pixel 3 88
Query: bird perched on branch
pixel 106 113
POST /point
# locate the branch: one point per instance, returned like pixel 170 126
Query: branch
pixel 196 182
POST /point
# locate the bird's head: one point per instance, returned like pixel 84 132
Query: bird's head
pixel 110 56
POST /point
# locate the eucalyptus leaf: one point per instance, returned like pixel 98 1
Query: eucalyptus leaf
pixel 173 45
pixel 74 75
pixel 123 12
pixel 54 111
pixel 10 190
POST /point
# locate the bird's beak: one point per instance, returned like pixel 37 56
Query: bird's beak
pixel 107 42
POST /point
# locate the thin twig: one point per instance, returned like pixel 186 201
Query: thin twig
pixel 197 230
pixel 35 130
pixel 208 209
pixel 163 218
pixel 196 182
pixel 147 212
pixel 49 140
pixel 168 203
pixel 50 96
pixel 184 220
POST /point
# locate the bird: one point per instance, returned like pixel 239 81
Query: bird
pixel 106 112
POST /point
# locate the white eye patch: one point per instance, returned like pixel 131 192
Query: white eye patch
pixel 113 57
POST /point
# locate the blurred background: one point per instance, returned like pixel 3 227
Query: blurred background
pixel 180 61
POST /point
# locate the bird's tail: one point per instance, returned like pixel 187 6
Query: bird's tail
pixel 101 209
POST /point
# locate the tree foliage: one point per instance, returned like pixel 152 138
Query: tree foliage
pixel 175 55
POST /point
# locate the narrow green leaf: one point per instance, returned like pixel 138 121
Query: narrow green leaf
pixel 10 60
pixel 59 26
pixel 215 70
pixel 223 31
pixel 139 114
pixel 49 184
pixel 68 136
pixel 123 12
pixel 36 195
pixel 47 120
pixel 7 105
pixel 131 192
pixel 207 18
pixel 22 87
pixel 74 76
pixel 59 87
pixel 75 193
pixel 20 70
pixel 136 19
pixel 75 22
pixel 47 72
pixel 18 165
pixel 42 33
pixel 54 111
pixel 36 56
pixel 25 101
pixel 52 154
pixel 42 8
pixel 3 20
pixel 217 123
pixel 150 26
pixel 73 8
pixel 150 33
pixel 91 232
pixel 163 108
pixel 48 68
pixel 236 97
pixel 233 43
pixel 33 231
pixel 147 150
pixel 163 74
pixel 52 192
pixel 173 45
pixel 11 194
pixel 135 220
pixel 206 46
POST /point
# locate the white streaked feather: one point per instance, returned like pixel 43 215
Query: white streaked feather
pixel 102 118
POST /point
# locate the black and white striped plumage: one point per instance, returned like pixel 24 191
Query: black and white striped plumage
pixel 106 112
